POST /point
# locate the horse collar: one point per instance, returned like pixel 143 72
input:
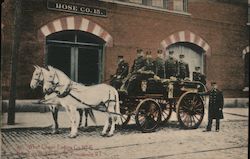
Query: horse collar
pixel 66 92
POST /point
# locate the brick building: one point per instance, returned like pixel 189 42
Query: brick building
pixel 84 38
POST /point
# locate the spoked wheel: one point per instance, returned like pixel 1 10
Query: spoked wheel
pixel 148 115
pixel 190 110
pixel 166 111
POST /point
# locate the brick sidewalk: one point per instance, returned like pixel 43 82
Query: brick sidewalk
pixel 31 138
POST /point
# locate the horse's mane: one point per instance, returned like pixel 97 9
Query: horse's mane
pixel 60 72
pixel 65 76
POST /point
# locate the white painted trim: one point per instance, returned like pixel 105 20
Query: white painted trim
pixel 200 42
pixel 172 39
pixel 57 25
pixel 182 36
pixel 97 30
pixel 45 30
pixel 164 44
pixel 70 23
pixel 84 24
pixel 192 36
pixel 206 47
pixel 107 38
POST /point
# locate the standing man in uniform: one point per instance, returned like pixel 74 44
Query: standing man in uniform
pixel 159 65
pixel 183 68
pixel 121 73
pixel 171 66
pixel 198 76
pixel 215 107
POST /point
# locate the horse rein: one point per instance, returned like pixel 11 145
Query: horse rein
pixel 55 85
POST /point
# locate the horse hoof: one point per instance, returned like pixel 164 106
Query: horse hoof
pixel 103 134
pixel 79 125
pixel 72 136
pixel 55 132
pixel 110 135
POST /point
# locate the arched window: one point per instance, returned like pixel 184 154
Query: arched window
pixel 79 54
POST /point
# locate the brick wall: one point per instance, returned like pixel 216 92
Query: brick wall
pixel 221 25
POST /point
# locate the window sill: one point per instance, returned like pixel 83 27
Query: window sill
pixel 147 7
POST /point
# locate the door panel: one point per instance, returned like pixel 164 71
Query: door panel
pixel 88 71
pixel 78 54
pixel 192 57
pixel 59 57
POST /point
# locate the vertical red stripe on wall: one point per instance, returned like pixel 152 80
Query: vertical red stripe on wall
pixel 78 21
pixel 51 28
pixel 203 44
pixel 91 27
pixel 187 36
pixel 64 24
pixel 103 34
pixel 168 42
pixel 40 36
pixel 177 37
pixel 208 53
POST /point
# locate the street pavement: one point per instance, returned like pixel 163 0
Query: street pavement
pixel 30 138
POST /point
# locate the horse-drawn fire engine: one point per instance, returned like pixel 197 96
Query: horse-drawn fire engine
pixel 152 101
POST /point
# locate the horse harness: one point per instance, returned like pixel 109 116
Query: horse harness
pixel 102 106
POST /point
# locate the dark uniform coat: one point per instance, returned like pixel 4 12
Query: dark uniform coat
pixel 216 101
pixel 171 67
pixel 138 64
pixel 183 70
pixel 197 76
pixel 122 69
pixel 148 65
pixel 121 73
pixel 159 67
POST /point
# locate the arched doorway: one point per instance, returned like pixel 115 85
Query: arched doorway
pixel 77 53
pixel 191 45
pixel 194 55
pixel 75 45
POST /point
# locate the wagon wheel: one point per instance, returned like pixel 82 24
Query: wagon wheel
pixel 148 115
pixel 190 110
pixel 166 108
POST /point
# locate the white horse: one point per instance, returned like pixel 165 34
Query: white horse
pixel 54 103
pixel 72 94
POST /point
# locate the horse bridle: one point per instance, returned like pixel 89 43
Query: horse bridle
pixel 54 85
pixel 39 81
